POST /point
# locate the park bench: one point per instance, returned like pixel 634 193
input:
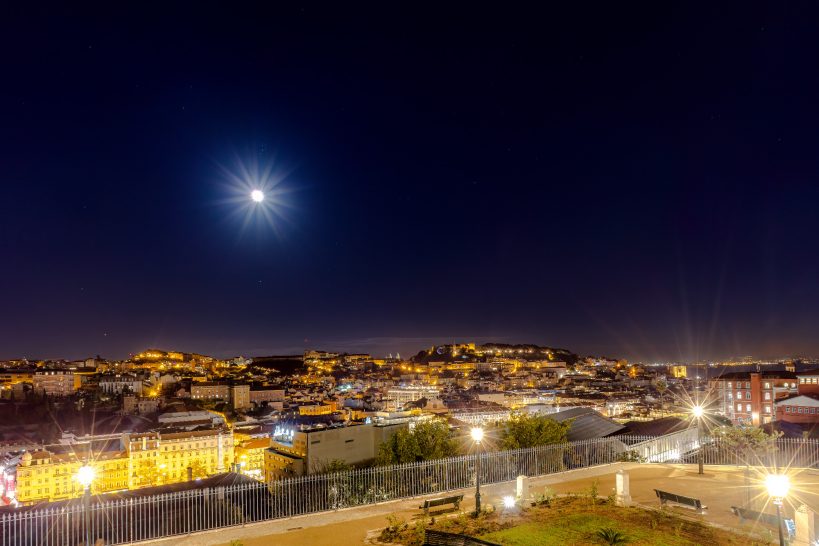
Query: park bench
pixel 441 501
pixel 689 502
pixel 769 519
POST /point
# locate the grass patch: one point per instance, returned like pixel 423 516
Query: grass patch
pixel 569 521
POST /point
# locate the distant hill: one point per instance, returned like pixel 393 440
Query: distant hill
pixel 487 351
pixel 285 364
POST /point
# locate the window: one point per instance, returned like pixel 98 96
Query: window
pixel 767 396
pixel 739 395
pixel 739 407
pixel 729 384
pixel 767 385
pixel 747 384
pixel 747 407
pixel 767 409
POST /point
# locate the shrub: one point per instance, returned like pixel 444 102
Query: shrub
pixel 611 536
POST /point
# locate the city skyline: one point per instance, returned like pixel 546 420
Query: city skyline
pixel 610 182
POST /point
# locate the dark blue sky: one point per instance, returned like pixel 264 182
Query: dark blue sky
pixel 631 180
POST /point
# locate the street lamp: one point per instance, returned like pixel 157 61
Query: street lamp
pixel 85 475
pixel 698 412
pixel 778 486
pixel 477 437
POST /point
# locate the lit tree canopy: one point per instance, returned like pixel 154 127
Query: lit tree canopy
pixel 533 430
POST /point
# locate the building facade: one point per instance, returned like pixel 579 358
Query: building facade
pixel 748 398
pixel 141 460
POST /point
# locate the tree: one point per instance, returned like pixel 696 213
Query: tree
pixel 533 430
pixel 331 467
pixel 747 442
pixel 198 469
pixel 428 440
pixel 662 386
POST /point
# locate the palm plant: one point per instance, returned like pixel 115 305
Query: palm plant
pixel 611 536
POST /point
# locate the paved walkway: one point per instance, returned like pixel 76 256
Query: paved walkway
pixel 719 488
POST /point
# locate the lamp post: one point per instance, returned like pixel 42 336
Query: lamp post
pixel 778 486
pixel 477 436
pixel 697 412
pixel 85 475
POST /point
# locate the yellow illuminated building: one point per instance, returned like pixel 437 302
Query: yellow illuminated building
pixel 679 372
pixel 249 455
pixel 145 459
pixel 318 409
pixel 46 476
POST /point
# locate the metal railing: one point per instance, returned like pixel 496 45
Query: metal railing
pixel 151 517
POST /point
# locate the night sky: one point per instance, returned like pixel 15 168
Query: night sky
pixel 622 179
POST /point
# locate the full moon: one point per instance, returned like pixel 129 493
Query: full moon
pixel 257 196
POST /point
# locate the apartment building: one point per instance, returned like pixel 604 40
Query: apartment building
pixel 748 398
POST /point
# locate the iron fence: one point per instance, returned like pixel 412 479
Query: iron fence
pixel 158 516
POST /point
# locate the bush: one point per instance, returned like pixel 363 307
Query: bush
pixel 611 536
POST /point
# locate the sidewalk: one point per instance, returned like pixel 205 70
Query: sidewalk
pixel 719 488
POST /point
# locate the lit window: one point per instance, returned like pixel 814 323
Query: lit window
pixel 800 409
pixel 767 409
pixel 748 407
pixel 767 396
pixel 767 385
pixel 739 407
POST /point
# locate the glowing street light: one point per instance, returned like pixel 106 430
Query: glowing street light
pixel 778 486
pixel 257 196
pixel 85 475
pixel 477 434
pixel 698 412
pixel 477 437
pixel 508 502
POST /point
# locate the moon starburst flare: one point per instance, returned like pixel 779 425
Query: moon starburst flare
pixel 257 193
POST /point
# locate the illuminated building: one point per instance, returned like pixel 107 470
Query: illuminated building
pixel 308 451
pixel 57 382
pixel 317 409
pixel 680 372
pixel 206 390
pixel 119 383
pixel 401 396
pixel 748 398
pixel 249 455
pixel 48 476
pixel 264 394
pixel 141 460
pixel 13 377
pixel 240 396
